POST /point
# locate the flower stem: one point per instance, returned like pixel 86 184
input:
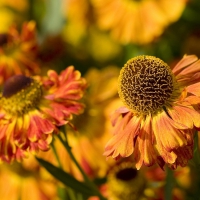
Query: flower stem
pixel 169 184
pixel 86 179
pixel 56 154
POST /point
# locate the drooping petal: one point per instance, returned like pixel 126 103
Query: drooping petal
pixel 183 155
pixel 121 144
pixel 115 115
pixel 144 152
pixel 170 137
pixel 167 138
pixel 185 115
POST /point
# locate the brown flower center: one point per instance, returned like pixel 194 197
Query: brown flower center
pixel 20 94
pixel 146 83
pixel 126 174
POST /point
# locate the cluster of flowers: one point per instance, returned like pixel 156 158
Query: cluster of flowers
pixel 32 107
pixel 155 123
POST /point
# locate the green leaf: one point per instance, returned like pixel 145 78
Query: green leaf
pixel 66 178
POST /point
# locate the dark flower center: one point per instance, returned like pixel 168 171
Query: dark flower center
pixel 20 95
pixel 3 39
pixel 14 84
pixel 145 84
pixel 126 174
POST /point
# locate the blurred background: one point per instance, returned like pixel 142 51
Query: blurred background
pixel 97 37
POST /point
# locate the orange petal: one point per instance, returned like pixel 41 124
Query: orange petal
pixel 191 69
pixel 194 89
pixel 185 115
pixel 144 150
pixel 170 137
pixel 184 154
pixel 115 115
pixel 121 144
pixel 166 137
pixel 192 100
pixel 184 62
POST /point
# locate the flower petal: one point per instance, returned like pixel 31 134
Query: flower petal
pixel 194 89
pixel 167 137
pixel 185 115
pixel 121 144
pixel 144 150
pixel 191 69
pixel 183 63
pixel 183 155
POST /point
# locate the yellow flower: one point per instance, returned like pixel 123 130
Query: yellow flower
pixel 31 108
pixel 20 5
pixel 125 182
pixel 157 123
pixel 136 21
pixel 76 13
pixel 18 52
pixel 20 180
pixel 12 12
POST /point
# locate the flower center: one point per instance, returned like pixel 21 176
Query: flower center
pixel 146 85
pixel 125 182
pixel 3 39
pixel 20 95
pixel 126 174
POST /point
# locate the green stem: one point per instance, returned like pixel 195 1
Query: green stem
pixel 169 184
pixel 86 179
pixel 56 154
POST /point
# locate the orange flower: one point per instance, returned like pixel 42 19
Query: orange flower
pixel 32 108
pixel 18 52
pixel 136 21
pixel 157 123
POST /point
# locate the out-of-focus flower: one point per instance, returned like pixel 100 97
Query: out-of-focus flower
pixel 136 21
pixel 19 5
pixel 31 108
pixel 101 46
pixel 97 44
pixel 88 143
pixel 22 178
pixel 51 50
pixel 157 123
pixel 156 177
pixel 125 182
pixel 76 23
pixel 18 52
pixel 12 12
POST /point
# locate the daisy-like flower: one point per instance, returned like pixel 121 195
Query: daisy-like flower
pixel 31 108
pixel 161 110
pixel 136 21
pixel 18 51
